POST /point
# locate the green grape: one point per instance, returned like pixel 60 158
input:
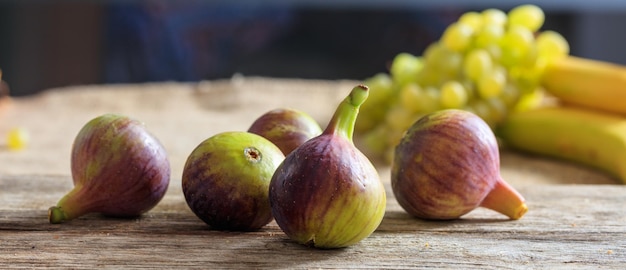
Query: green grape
pixel 491 84
pixel 528 77
pixel 470 88
pixel 529 59
pixel 392 139
pixel 411 97
pixel 398 118
pixel 497 110
pixel 404 68
pixel 17 138
pixel 367 122
pixel 450 63
pixel 381 87
pixel 515 43
pixel 430 50
pixel 457 36
pixel 469 108
pixel 442 59
pixel 510 58
pixel 430 77
pixel 375 141
pixel 494 16
pixel 431 55
pixel 510 94
pixel 389 154
pixel 529 16
pixel 518 38
pixel 529 100
pixel 434 58
pixel 473 19
pixel 373 111
pixel 488 35
pixel 381 91
pixel 453 95
pixel 551 45
pixel 477 62
pixel 495 51
pixel 431 99
pixel 395 135
pixel 480 108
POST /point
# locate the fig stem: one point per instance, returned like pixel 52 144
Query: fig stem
pixel 343 121
pixel 56 215
pixel 504 199
pixel 68 208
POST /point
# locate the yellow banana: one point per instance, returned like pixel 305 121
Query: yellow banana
pixel 586 82
pixel 589 137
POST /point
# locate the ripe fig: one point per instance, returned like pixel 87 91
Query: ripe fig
pixel 119 169
pixel 226 180
pixel 326 193
pixel 448 164
pixel 286 128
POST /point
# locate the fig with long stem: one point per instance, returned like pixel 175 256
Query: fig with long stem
pixel 119 169
pixel 448 164
pixel 326 193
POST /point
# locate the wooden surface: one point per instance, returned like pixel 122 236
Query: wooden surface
pixel 568 226
pixel 576 217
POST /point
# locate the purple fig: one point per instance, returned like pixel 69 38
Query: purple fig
pixel 286 128
pixel 119 169
pixel 226 180
pixel 448 164
pixel 326 193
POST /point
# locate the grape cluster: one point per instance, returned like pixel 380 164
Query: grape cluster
pixel 487 62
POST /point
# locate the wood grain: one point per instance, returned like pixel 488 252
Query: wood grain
pixel 568 226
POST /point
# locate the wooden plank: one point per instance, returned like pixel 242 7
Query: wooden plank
pixel 567 226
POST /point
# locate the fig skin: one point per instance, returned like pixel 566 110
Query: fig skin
pixel 226 180
pixel 326 193
pixel 118 168
pixel 287 128
pixel 448 164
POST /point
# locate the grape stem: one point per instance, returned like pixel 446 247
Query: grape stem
pixel 343 121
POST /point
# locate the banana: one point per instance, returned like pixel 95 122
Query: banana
pixel 586 82
pixel 593 138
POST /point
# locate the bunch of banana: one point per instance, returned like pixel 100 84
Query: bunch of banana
pixel 588 125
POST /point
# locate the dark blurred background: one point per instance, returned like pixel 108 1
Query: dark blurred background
pixel 45 44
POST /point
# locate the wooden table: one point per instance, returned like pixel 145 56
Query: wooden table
pixel 576 217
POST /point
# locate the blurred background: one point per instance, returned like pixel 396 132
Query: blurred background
pixel 45 44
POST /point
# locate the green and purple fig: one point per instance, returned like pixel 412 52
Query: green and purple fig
pixel 448 164
pixel 226 180
pixel 119 169
pixel 286 128
pixel 326 193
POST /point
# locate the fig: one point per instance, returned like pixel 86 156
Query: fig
pixel 448 164
pixel 118 168
pixel 326 193
pixel 226 180
pixel 286 128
